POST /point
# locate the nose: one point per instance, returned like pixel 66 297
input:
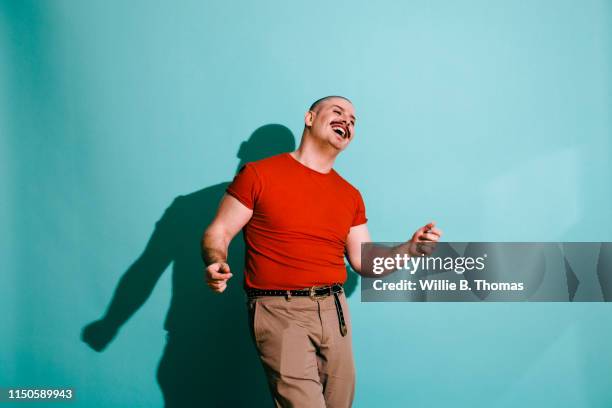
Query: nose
pixel 342 120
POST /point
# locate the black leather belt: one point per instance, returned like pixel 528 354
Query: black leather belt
pixel 315 293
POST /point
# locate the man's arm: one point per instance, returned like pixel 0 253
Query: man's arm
pixel 356 236
pixel 231 217
pixel 360 234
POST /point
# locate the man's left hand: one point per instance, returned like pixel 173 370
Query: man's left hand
pixel 423 241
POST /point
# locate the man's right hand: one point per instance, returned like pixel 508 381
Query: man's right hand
pixel 217 275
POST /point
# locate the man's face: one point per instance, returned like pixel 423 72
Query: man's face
pixel 332 121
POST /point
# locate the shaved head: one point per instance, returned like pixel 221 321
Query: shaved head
pixel 316 103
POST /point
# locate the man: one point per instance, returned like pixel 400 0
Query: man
pixel 300 220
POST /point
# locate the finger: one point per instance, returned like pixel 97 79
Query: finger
pixel 436 231
pixel 213 284
pixel 429 226
pixel 429 237
pixel 217 286
pixel 221 267
pixel 221 278
pixel 217 277
pixel 220 287
pixel 218 274
pixel 425 228
pixel 217 282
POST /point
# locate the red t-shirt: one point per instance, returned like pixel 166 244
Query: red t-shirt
pixel 301 219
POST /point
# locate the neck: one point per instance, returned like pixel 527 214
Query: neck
pixel 316 157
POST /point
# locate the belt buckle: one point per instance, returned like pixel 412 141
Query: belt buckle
pixel 314 296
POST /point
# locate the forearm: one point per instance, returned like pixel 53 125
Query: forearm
pixel 214 247
pixel 374 251
pixel 371 252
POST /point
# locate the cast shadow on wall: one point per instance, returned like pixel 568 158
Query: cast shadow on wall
pixel 209 358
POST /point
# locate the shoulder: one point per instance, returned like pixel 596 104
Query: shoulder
pixel 348 187
pixel 269 164
pixel 277 159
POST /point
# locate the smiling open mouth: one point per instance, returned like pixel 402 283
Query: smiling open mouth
pixel 340 130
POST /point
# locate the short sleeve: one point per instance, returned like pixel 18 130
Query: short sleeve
pixel 360 213
pixel 246 186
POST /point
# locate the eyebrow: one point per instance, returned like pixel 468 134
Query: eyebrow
pixel 342 109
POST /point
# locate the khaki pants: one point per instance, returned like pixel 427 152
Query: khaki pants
pixel 307 361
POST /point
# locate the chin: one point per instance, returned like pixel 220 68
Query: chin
pixel 339 147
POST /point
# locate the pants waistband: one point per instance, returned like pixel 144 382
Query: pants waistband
pixel 314 292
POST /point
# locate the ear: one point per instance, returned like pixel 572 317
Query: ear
pixel 309 118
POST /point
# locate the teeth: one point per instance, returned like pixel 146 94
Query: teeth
pixel 339 129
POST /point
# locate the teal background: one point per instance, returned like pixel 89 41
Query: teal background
pixel 492 118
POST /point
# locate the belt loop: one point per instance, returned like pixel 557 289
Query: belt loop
pixel 288 296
